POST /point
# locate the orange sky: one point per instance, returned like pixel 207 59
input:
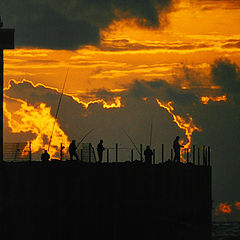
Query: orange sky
pixel 176 58
pixel 195 34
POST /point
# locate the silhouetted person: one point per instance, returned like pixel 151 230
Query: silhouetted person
pixel 100 150
pixel 148 155
pixel 176 148
pixel 72 150
pixel 45 156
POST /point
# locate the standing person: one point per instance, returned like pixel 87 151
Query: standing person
pixel 148 155
pixel 100 150
pixel 72 150
pixel 176 148
pixel 45 156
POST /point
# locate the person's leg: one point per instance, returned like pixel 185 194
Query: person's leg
pixel 76 156
pixel 100 157
pixel 175 157
pixel 71 156
pixel 178 156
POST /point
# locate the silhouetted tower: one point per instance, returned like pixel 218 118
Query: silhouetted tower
pixel 6 42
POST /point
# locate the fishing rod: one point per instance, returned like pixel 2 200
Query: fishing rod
pixel 85 136
pixel 60 99
pixel 132 142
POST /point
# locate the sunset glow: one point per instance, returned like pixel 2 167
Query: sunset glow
pixel 223 208
pixel 205 100
pixel 115 104
pixel 180 51
pixel 187 125
pixel 237 205
pixel 130 75
pixel 193 36
pixel 37 120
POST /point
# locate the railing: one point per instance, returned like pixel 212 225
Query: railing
pixel 196 155
pixel 86 152
pixel 14 152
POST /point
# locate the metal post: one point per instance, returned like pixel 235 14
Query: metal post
pixel 131 155
pixel 89 152
pixel 1 104
pixel 208 155
pixel 61 152
pixel 204 156
pixel 171 154
pixel 153 156
pixel 141 153
pixel 193 154
pixel 162 153
pixel 30 151
pixel 198 156
pixel 187 155
pixel 116 152
pixel 107 155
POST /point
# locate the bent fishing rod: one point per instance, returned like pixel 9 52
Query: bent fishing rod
pixel 60 99
pixel 85 136
pixel 132 143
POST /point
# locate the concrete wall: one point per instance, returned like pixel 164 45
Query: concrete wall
pixel 112 201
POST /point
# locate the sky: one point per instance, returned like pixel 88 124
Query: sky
pixel 128 65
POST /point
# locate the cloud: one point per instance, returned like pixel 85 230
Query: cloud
pixel 128 45
pixel 213 4
pixel 70 24
pixel 218 120
pixel 227 75
pixel 234 44
pixel 161 89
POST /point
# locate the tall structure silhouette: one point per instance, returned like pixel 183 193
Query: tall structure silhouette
pixel 6 42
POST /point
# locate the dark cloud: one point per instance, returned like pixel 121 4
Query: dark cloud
pixel 219 121
pixel 227 75
pixel 104 94
pixel 70 24
pixel 157 83
pixel 233 44
pixel 125 44
pixel 213 4
pixel 140 90
pixel 159 88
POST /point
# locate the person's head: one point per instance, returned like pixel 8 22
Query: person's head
pixel 73 141
pixel 177 137
pixel 45 151
pixel 101 141
pixel 148 147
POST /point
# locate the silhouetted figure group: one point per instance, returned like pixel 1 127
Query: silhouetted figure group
pixel 45 156
pixel 148 153
pixel 100 150
pixel 177 148
pixel 72 150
